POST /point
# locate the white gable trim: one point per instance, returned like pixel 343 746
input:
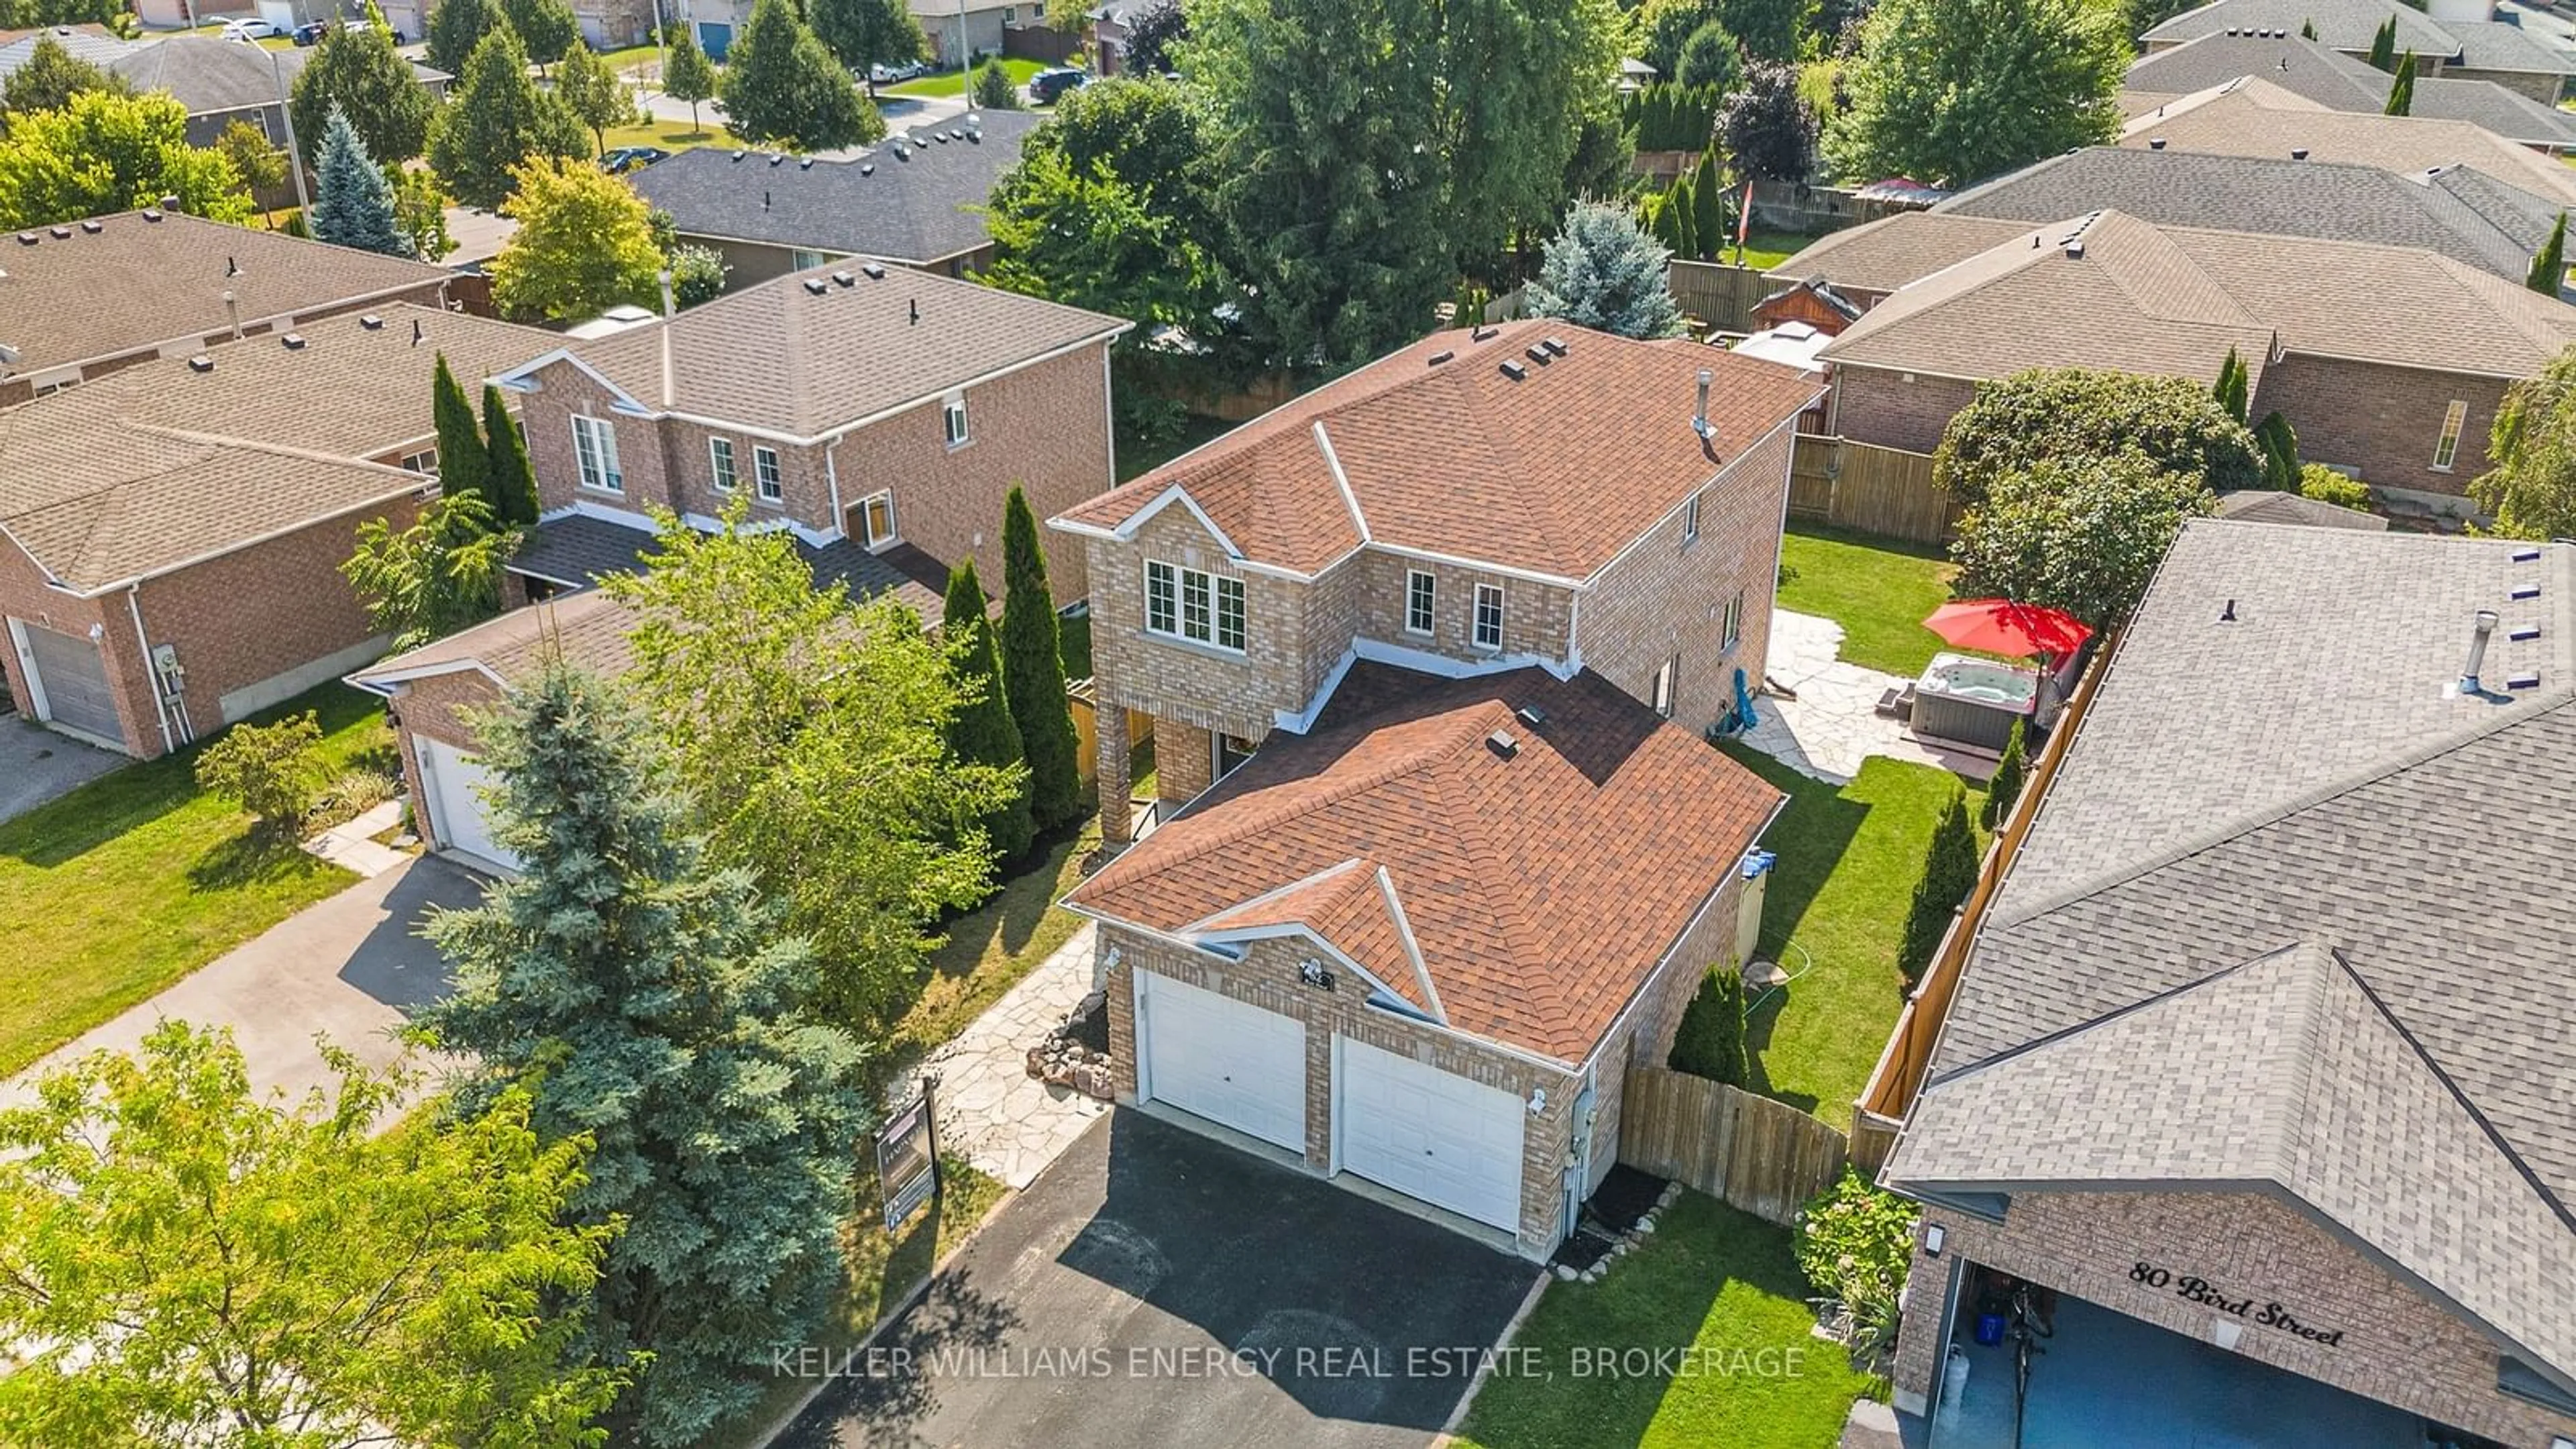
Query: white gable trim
pixel 1412 945
pixel 1342 480
pixel 1126 531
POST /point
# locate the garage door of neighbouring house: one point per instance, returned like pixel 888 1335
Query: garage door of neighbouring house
pixel 70 681
pixel 1429 1134
pixel 454 782
pixel 1232 1063
pixel 715 39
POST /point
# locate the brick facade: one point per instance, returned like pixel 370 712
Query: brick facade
pixel 2382 421
pixel 1894 409
pixel 438 706
pixel 2397 1347
pixel 2541 86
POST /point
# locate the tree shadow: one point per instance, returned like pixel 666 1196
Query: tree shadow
pixel 1810 838
pixel 252 857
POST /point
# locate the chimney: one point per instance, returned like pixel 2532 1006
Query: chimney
pixel 1699 417
pixel 2480 628
pixel 670 309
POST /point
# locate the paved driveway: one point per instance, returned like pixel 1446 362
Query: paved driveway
pixel 37 765
pixel 1155 1288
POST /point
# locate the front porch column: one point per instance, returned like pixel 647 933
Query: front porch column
pixel 1110 723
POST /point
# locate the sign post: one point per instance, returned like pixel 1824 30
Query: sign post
pixel 908 1159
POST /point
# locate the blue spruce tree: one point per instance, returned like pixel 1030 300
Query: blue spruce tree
pixel 354 207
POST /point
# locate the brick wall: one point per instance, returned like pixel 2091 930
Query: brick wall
pixel 1536 617
pixel 2397 1347
pixel 23 595
pixel 1179 681
pixel 1184 762
pixel 2536 85
pixel 1872 406
pixel 437 707
pixel 2384 421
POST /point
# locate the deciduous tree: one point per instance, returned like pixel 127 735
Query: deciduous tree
pixel 1602 272
pixel 353 206
pixel 259 164
pixel 183 1261
pixel 105 152
pixel 689 76
pixel 594 94
pixel 1766 128
pixel 420 212
pixel 360 73
pixel 983 732
pixel 644 1000
pixel 2081 535
pixel 433 578
pixel 584 244
pixel 548 28
pixel 868 33
pixel 1152 33
pixel 270 770
pixel 51 75
pixel 2530 485
pixel 2013 422
pixel 782 87
pixel 498 121
pixel 1953 91
pixel 457 28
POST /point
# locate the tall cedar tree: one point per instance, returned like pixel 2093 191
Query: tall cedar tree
pixel 513 479
pixel 2383 46
pixel 498 120
pixel 2548 271
pixel 360 74
pixel 1710 1041
pixel 548 28
pixel 2004 787
pixel 983 733
pixel 1710 202
pixel 51 75
pixel 2401 90
pixel 689 76
pixel 2230 389
pixel 865 33
pixel 1603 273
pixel 1953 91
pixel 591 89
pixel 639 997
pixel 782 87
pixel 464 461
pixel 353 205
pixel 1949 873
pixel 2279 443
pixel 1033 671
pixel 456 27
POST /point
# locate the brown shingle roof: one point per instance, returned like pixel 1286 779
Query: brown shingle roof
pixel 1542 889
pixel 588 629
pixel 1553 473
pixel 2253 117
pixel 1883 255
pixel 782 358
pixel 136 284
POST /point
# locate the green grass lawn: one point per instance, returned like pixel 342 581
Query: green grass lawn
pixel 135 879
pixel 991 947
pixel 636 62
pixel 1849 858
pixel 214 29
pixel 1878 589
pixel 948 83
pixel 674 135
pixel 1764 250
pixel 1710 1279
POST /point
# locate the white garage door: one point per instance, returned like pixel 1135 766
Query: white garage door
pixel 1430 1134
pixel 1227 1061
pixel 71 682
pixel 455 782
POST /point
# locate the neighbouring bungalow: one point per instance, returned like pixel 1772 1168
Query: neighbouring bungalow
pixel 2453 39
pixel 2337 81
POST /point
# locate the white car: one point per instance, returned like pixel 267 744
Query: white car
pixel 886 75
pixel 252 30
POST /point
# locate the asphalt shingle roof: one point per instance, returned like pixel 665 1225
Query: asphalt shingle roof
pixel 1499 865
pixel 2255 505
pixel 2349 25
pixel 1883 255
pixel 2341 82
pixel 588 630
pixel 2256 118
pixel 210 75
pixel 1553 473
pixel 81 41
pixel 907 203
pixel 578 550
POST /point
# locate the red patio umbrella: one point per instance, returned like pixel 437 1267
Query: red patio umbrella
pixel 2002 626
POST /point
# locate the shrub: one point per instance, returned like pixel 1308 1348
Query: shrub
pixel 2005 786
pixel 1854 1243
pixel 1949 873
pixel 2076 415
pixel 357 791
pixel 1710 1042
pixel 268 770
pixel 2325 485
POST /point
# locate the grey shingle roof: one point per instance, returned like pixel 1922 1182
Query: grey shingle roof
pixel 917 210
pixel 210 76
pixel 2278 197
pixel 2254 505
pixel 2300 775
pixel 2340 82
pixel 2343 24
pixel 1883 255
pixel 578 550
pixel 2503 45
pixel 2254 117
pixel 83 43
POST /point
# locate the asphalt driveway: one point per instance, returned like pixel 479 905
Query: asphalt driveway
pixel 1155 1288
pixel 37 765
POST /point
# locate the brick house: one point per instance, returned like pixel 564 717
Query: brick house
pixel 2453 39
pixel 2241 1067
pixel 2405 408
pixel 879 413
pixel 80 300
pixel 1340 611
pixel 171 534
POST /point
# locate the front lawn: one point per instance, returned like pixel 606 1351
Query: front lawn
pixel 947 82
pixel 116 890
pixel 991 947
pixel 1878 589
pixel 1701 1337
pixel 1835 910
pixel 677 135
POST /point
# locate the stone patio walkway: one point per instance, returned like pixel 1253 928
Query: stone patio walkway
pixel 991 1111
pixel 1834 722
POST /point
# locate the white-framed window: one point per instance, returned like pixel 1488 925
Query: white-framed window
pixel 1010 15
pixel 424 461
pixel 952 420
pixel 720 464
pixel 1690 520
pixel 1421 594
pixel 1660 694
pixel 1489 616
pixel 876 518
pixel 804 260
pixel 2454 419
pixel 594 447
pixel 1733 627
pixel 1194 605
pixel 765 477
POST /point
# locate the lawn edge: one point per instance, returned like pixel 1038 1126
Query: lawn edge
pixel 1457 1419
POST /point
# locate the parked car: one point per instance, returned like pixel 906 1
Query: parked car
pixel 311 32
pixel 250 30
pixel 1048 86
pixel 630 158
pixel 886 75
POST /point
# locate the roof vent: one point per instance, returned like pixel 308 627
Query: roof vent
pixel 232 266
pixel 1532 715
pixel 1553 344
pixel 1503 744
pixel 874 270
pixel 26 238
pixel 901 154
pixel 2482 625
pixel 916 313
pixel 2155 143
pixel 1443 355
pixel 372 322
pixel 93 226
pixel 2524 591
pixel 1478 332
pixel 804 163
pixel 816 286
pixel 844 279
pixel 777 159
pixel 2526 555
pixel 151 213
pixel 974 137
pixel 170 204
pixel 2075 249
pixel 62 233
pixel 738 155
pixel 2298 153
pixel 2227 615
pixel 1699 418
pixel 201 363
pixel 764 201
pixel 939 136
pixel 2523 681
pixel 1513 370
pixel 1537 354
pixel 294 341
pixel 867 168
pixel 2523 633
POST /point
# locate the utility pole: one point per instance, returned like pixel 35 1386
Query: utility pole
pixel 965 57
pixel 294 152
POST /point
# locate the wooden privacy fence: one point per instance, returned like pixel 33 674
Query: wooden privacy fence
pixel 1720 296
pixel 1763 1156
pixel 1862 486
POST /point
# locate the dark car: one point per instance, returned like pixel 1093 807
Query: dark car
pixel 311 32
pixel 1049 86
pixel 630 158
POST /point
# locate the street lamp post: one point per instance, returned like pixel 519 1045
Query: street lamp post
pixel 294 152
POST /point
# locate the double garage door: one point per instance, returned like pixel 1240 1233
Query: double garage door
pixel 455 783
pixel 1429 1134
pixel 70 679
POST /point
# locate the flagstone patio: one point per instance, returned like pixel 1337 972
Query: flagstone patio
pixel 1834 722
pixel 989 1109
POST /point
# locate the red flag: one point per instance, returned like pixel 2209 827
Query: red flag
pixel 1744 222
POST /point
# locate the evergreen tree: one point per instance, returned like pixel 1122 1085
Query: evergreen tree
pixel 1949 873
pixel 497 120
pixel 2307 30
pixel 457 27
pixel 2280 445
pixel 782 87
pixel 1604 273
pixel 1033 671
pixel 2383 46
pixel 2548 272
pixel 983 733
pixel 51 75
pixel 865 33
pixel 362 76
pixel 1711 59
pixel 512 478
pixel 689 76
pixel 2401 91
pixel 1709 196
pixel 592 91
pixel 994 90
pixel 353 206
pixel 2230 387
pixel 2004 787
pixel 464 462
pixel 638 997
pixel 548 28
pixel 1710 1040
pixel 1683 209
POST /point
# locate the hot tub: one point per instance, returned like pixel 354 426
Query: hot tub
pixel 1973 701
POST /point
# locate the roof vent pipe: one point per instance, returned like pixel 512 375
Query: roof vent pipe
pixel 670 308
pixel 1699 417
pixel 2155 143
pixel 2298 153
pixel 2484 626
pixel 232 309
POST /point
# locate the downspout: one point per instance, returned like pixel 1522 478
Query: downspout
pixel 134 606
pixel 1109 411
pixel 832 476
